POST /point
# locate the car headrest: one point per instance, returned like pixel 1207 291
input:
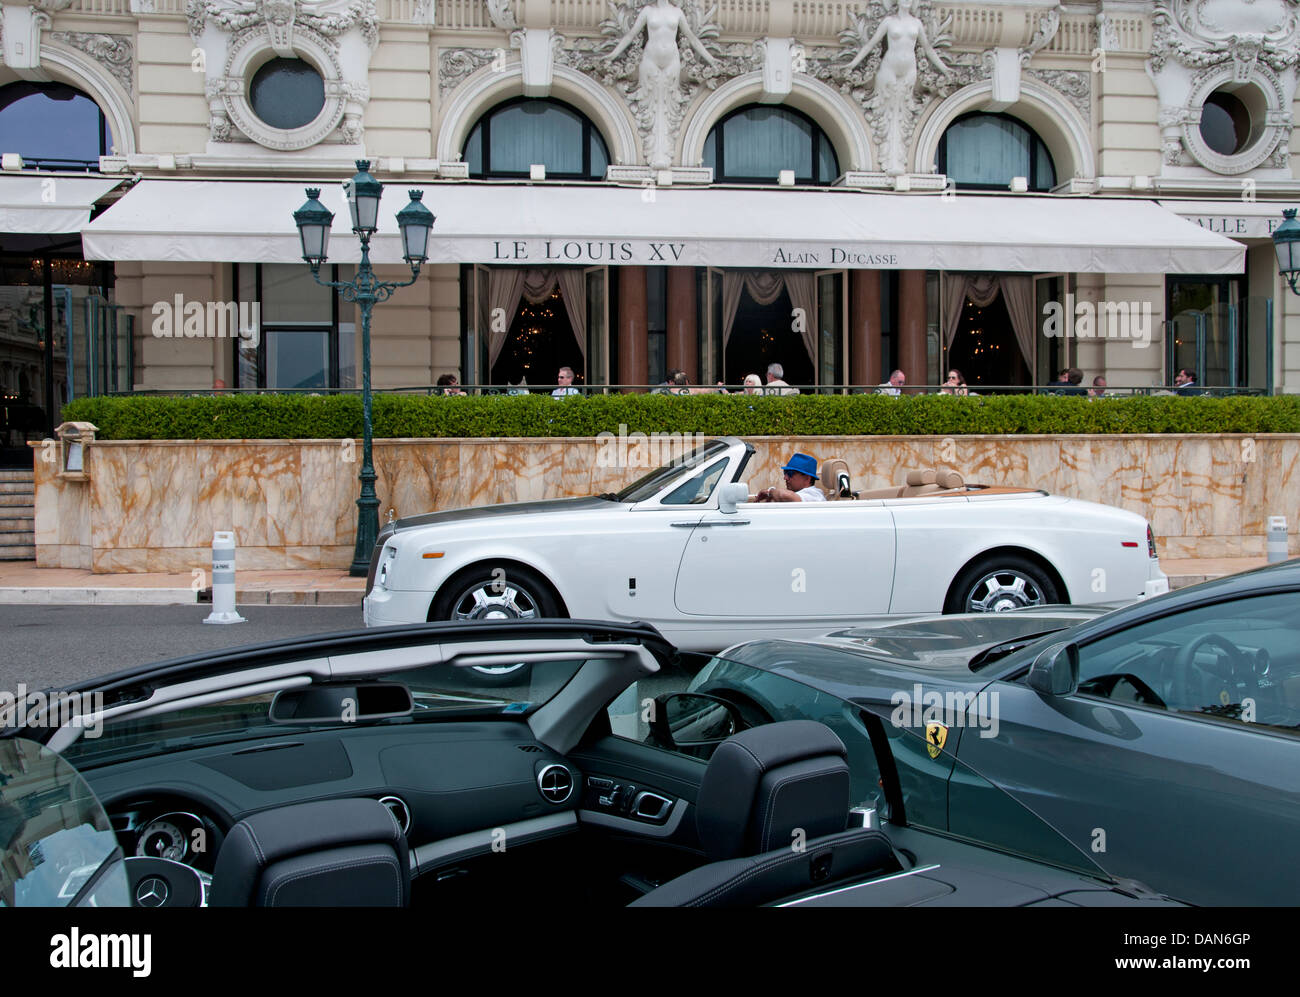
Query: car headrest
pixel 765 783
pixel 926 477
pixel 948 479
pixel 266 839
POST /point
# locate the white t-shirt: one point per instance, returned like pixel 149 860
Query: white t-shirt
pixel 811 494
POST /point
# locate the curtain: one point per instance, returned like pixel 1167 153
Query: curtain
pixel 508 286
pixel 765 286
pixel 1018 296
pixel 982 290
pixel 573 288
pixel 505 287
pixel 803 295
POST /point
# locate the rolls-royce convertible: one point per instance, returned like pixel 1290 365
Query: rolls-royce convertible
pixel 685 549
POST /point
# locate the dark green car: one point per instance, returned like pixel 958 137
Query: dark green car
pixel 1163 738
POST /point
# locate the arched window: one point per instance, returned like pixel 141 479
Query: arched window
pixel 512 137
pixel 754 144
pixel 53 126
pixel 988 150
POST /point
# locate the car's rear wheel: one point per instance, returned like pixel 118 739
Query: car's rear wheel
pixel 1000 583
pixel 493 592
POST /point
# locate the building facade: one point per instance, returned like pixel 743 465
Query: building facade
pixel 629 187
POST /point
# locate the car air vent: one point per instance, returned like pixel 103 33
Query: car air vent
pixel 400 811
pixel 528 747
pixel 555 783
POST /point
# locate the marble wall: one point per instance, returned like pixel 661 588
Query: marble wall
pixel 154 506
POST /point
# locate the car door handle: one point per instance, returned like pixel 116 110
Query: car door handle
pixel 717 522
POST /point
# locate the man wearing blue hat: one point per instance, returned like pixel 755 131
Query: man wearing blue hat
pixel 800 479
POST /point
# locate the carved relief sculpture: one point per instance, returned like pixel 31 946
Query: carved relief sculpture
pixel 336 37
pixel 1200 47
pixel 893 106
pixel 659 90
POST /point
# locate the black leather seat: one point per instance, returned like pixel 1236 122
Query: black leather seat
pixel 771 816
pixel 333 853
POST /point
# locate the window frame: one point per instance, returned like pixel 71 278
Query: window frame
pixel 334 372
pixel 1036 145
pixel 819 136
pixel 483 128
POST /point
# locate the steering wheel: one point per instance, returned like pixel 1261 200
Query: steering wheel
pixel 1104 685
pixel 1239 668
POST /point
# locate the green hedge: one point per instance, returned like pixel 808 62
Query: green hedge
pixel 337 417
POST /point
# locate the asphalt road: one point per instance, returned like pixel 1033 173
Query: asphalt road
pixel 43 646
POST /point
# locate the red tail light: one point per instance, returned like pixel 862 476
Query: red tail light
pixel 1151 544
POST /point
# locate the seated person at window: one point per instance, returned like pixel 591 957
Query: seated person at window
pixel 565 377
pixel 955 383
pixel 449 385
pixel 800 479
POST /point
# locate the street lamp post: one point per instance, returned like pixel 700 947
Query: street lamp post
pixel 415 220
pixel 1286 242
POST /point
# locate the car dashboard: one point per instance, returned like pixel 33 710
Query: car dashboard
pixel 450 786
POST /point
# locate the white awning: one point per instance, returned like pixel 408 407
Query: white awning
pixel 44 204
pixel 247 221
pixel 1236 219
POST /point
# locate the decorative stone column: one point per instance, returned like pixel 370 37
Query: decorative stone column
pixel 911 325
pixel 633 321
pixel 683 333
pixel 864 327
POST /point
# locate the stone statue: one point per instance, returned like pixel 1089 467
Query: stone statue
pixel 890 108
pixel 661 70
pixel 898 67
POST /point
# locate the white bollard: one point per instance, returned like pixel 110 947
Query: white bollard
pixel 223 579
pixel 1276 538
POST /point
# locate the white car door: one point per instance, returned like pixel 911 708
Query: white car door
pixel 789 560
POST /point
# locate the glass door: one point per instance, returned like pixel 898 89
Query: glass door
pixel 832 329
pixel 474 344
pixel 1054 340
pixel 597 325
pixel 1205 318
pixel 110 346
pixel 712 368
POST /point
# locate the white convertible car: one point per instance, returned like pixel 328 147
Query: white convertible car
pixel 684 549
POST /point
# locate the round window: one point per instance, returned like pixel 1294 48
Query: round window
pixel 287 93
pixel 1225 123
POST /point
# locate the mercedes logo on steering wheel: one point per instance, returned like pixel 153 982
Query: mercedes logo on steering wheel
pixel 151 892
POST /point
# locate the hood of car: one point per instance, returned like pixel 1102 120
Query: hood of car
pixel 507 509
pixel 873 663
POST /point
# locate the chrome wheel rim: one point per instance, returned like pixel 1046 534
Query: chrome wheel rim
pixel 483 601
pixel 1004 590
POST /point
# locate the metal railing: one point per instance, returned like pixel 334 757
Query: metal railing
pixel 806 390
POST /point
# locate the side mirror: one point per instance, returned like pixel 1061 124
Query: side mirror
pixel 691 720
pixel 731 495
pixel 1055 672
pixel 333 704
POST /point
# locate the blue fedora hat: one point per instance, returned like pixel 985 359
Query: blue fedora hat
pixel 804 464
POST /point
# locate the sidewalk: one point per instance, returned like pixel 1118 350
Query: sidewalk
pixel 22 583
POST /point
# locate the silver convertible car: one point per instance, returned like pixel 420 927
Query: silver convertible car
pixel 685 549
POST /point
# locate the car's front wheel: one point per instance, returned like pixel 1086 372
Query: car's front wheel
pixel 491 592
pixel 998 584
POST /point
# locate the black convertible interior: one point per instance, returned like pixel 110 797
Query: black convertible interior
pixel 464 798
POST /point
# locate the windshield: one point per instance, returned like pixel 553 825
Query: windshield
pixel 929 786
pixel 505 690
pixel 56 844
pixel 651 484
